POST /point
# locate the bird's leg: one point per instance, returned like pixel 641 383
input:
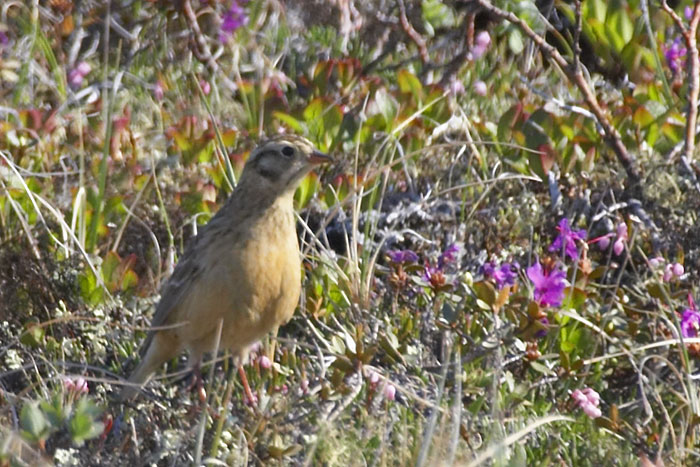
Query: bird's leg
pixel 197 380
pixel 252 399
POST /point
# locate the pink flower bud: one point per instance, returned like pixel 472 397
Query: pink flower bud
pixel 483 39
pixel 656 262
pixel 591 410
pixel 668 272
pixel 618 246
pixel 678 269
pixel 158 91
pixel 83 68
pixel 481 44
pixel 456 87
pixel 206 87
pixel 264 362
pixel 592 396
pixel 604 242
pixel 480 88
pixel 622 230
pixel 390 392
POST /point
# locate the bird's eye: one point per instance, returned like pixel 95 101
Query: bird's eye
pixel 288 151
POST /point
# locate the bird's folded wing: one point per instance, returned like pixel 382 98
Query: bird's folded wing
pixel 183 280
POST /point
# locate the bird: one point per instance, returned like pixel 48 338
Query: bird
pixel 241 273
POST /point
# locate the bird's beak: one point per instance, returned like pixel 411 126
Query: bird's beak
pixel 317 157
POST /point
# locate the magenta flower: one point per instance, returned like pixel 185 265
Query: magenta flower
pixel 402 256
pixel 690 321
pixel 449 255
pixel 567 239
pixel 549 285
pixel 433 275
pixel 233 19
pixel 588 400
pixel 503 275
pixel 674 55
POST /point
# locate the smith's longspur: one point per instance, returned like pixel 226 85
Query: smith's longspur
pixel 243 268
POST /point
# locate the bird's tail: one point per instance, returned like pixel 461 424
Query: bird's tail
pixel 158 351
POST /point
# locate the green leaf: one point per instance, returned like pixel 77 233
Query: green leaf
pixel 409 83
pixel 84 426
pixel 293 123
pixel 620 28
pixel 33 334
pixel 436 15
pixel 33 422
pixel 515 40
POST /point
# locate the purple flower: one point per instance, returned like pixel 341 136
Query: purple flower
pixel 503 275
pixel 402 256
pixel 449 255
pixel 690 323
pixel 688 12
pixel 233 19
pixel 549 285
pixel 542 332
pixel 674 55
pixel 433 275
pixel 567 238
pixel 4 39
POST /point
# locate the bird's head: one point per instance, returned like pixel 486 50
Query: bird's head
pixel 282 161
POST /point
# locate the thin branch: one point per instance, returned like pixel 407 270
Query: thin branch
pixel 610 134
pixel 204 54
pixel 689 34
pixel 412 33
pixel 691 37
